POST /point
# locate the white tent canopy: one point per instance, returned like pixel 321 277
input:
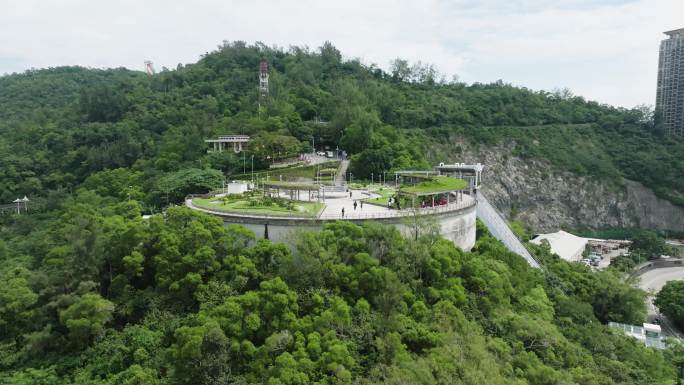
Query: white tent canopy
pixel 566 245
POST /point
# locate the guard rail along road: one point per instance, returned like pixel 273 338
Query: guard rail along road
pixel 500 230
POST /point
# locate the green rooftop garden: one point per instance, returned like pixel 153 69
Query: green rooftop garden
pixel 436 185
pixel 385 194
pixel 258 205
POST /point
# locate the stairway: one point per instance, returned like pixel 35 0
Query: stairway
pixel 341 171
pixel 500 230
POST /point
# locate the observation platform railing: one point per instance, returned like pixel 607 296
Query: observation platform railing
pixel 349 215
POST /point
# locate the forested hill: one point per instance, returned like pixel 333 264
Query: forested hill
pixel 92 292
pixel 60 125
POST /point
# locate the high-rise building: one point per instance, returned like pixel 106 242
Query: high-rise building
pixel 670 96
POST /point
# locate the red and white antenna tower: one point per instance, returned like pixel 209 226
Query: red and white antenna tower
pixel 149 67
pixel 263 79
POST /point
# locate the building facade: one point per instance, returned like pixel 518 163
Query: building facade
pixel 670 96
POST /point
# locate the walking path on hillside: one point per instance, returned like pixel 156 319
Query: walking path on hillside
pixel 341 172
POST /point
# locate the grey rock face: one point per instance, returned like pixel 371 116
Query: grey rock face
pixel 530 191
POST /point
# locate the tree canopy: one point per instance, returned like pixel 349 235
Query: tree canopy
pixel 93 292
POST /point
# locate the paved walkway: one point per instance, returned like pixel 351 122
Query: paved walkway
pixel 341 172
pixel 333 206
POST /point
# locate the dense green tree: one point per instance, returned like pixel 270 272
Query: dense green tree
pixel 87 317
pixel 92 292
pixel 670 301
pixel 649 245
pixel 16 301
pixel 174 187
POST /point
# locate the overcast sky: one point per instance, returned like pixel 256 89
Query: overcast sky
pixel 605 50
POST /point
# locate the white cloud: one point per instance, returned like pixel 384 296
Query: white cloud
pixel 604 50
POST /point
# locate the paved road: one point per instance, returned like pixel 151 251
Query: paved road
pixel 654 280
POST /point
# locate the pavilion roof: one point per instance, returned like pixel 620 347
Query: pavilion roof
pixel 291 185
pixel 434 186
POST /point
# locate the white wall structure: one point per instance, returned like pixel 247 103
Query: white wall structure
pixel 236 187
pixel 456 223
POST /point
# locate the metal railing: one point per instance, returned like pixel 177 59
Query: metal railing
pixel 500 230
pixel 349 215
pixel 342 188
pixel 357 214
pixel 235 138
pixel 8 207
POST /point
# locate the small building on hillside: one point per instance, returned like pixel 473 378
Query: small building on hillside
pixel 238 142
pixel 568 246
pixel 649 334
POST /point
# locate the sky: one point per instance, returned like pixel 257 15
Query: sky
pixel 603 50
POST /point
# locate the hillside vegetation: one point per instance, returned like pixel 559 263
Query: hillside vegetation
pixel 91 292
pixel 94 294
pixel 59 126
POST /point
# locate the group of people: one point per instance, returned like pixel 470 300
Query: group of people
pixel 392 201
pixel 356 204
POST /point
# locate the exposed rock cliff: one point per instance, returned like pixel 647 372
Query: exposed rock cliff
pixel 531 191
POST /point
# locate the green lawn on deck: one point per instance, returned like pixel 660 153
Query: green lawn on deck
pixel 436 185
pixel 385 194
pixel 242 206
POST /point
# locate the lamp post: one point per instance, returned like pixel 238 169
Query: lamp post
pixel 252 169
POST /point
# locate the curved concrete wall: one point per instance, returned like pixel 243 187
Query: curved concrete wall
pixel 457 225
